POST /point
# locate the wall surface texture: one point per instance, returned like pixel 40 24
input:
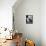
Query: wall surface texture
pixel 30 31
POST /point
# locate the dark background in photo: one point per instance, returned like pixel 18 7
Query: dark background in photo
pixel 29 19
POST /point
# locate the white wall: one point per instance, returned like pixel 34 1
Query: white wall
pixel 43 22
pixel 31 31
pixel 6 13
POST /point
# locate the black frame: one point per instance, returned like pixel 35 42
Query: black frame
pixel 29 19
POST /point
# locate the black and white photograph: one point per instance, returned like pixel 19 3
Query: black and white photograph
pixel 29 19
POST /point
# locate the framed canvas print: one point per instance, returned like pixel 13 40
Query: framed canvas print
pixel 29 19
